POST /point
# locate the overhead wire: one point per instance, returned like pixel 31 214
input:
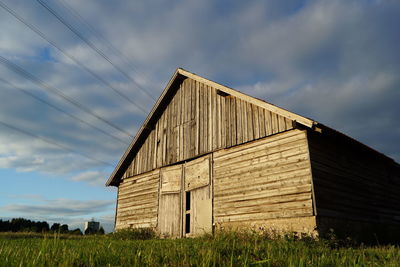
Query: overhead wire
pixel 26 92
pixel 93 46
pixel 58 92
pixel 77 61
pixel 101 37
pixel 15 128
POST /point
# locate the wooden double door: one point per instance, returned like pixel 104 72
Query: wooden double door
pixel 185 200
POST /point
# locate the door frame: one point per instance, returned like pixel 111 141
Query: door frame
pixel 183 191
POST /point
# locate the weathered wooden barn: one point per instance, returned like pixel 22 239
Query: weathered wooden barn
pixel 210 157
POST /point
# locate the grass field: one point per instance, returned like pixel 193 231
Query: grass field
pixel 223 250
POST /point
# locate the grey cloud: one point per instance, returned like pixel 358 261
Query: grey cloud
pixel 61 207
pixel 28 196
pixel 334 61
pixel 95 178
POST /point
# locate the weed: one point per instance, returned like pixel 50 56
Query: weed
pixel 222 249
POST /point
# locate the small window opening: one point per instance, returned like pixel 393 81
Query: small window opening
pixel 187 201
pixel 221 93
pixel 187 216
pixel 187 226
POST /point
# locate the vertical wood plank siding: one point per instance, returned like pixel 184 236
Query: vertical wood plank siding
pixel 138 201
pixel 265 179
pixel 352 183
pixel 198 120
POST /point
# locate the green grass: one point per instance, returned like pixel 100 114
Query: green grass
pixel 229 249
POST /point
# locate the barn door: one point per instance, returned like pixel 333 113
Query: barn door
pixel 170 209
pixel 197 218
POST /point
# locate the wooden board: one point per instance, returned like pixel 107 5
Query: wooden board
pixel 138 201
pixel 265 179
pixel 197 173
pixel 198 120
pixel 171 179
pixel 353 183
pixel 169 217
pixel 202 211
pixel 178 103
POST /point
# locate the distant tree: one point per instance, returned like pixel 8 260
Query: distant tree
pixel 5 226
pixel 24 225
pixel 76 231
pixel 43 227
pixel 101 230
pixel 21 224
pixel 64 228
pixel 31 228
pixel 89 231
pixel 55 227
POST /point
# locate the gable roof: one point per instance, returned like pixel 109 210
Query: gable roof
pixel 179 75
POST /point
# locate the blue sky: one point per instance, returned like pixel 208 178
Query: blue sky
pixel 334 61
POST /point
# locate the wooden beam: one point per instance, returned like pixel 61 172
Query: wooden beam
pixel 280 111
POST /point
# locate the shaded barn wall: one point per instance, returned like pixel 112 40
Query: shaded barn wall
pixel 265 183
pixel 199 120
pixel 352 182
pixel 137 202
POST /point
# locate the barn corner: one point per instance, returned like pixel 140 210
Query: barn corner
pixel 209 157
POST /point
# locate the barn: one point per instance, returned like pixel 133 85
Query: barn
pixel 209 157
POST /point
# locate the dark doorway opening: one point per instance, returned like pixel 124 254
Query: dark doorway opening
pixel 187 201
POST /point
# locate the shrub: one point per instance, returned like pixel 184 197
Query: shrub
pixel 134 234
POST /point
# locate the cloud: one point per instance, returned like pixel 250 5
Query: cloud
pixel 33 197
pixel 334 61
pixel 61 207
pixel 96 178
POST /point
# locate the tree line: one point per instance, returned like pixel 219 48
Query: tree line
pixel 24 225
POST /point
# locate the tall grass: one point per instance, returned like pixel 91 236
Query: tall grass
pixel 224 249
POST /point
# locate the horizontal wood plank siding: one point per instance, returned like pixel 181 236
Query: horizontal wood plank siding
pixel 138 201
pixel 352 183
pixel 264 179
pixel 199 120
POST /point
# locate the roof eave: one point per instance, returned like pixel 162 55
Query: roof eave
pixel 261 103
pixel 111 179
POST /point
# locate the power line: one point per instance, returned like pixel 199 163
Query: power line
pixel 42 35
pixel 93 47
pixel 15 128
pixel 63 111
pixel 58 92
pixel 101 37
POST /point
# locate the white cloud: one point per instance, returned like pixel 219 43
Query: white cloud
pixel 92 177
pixel 65 211
pixel 61 207
pixel 334 61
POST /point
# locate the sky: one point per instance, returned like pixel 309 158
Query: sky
pixel 71 105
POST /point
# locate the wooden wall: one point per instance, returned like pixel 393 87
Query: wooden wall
pixel 263 180
pixel 170 202
pixel 138 201
pixel 352 182
pixel 199 120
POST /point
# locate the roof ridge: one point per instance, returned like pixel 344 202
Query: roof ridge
pixel 167 92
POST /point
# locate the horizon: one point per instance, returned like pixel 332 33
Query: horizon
pixel 336 62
